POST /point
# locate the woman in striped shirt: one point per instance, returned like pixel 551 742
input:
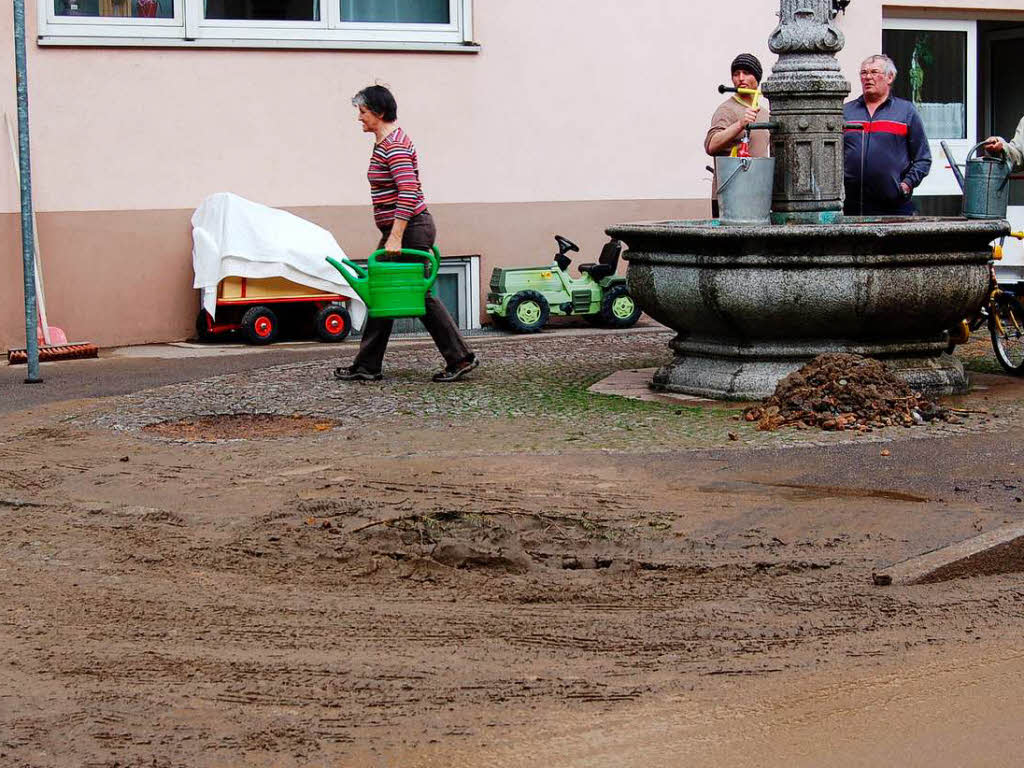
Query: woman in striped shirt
pixel 401 215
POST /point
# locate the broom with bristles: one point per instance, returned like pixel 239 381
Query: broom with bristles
pixel 53 342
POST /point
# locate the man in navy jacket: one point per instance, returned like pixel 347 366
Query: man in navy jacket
pixel 888 156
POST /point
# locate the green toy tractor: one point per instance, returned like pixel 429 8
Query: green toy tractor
pixel 523 299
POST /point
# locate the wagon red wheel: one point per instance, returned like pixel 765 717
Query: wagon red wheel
pixel 260 325
pixel 333 323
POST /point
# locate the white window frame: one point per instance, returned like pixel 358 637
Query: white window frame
pixel 467 271
pixel 50 23
pixel 941 181
pixel 189 28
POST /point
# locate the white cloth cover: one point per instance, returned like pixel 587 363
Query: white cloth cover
pixel 235 237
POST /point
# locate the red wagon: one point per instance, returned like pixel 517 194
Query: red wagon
pixel 261 307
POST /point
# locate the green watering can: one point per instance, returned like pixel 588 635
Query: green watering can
pixel 392 288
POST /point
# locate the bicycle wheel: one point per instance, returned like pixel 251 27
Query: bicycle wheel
pixel 1006 325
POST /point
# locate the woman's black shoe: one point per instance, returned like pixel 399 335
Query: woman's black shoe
pixel 356 374
pixel 456 373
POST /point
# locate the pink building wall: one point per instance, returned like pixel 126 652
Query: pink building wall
pixel 573 116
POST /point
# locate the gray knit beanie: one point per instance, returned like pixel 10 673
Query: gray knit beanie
pixel 748 62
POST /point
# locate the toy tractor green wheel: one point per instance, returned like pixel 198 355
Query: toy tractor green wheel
pixel 528 312
pixel 618 308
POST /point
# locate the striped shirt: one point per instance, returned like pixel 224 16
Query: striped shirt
pixel 394 177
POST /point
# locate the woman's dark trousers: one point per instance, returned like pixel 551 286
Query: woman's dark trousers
pixel 419 234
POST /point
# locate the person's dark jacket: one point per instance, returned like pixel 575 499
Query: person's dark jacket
pixel 891 148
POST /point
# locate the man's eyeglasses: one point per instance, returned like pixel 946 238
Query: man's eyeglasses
pixel 872 72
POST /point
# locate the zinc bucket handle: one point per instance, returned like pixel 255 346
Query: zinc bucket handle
pixel 743 165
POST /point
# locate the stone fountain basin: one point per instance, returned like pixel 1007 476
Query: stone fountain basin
pixel 750 304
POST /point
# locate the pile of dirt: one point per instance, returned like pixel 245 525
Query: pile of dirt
pixel 239 426
pixel 842 392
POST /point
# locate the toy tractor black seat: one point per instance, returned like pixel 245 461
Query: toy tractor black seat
pixel 607 262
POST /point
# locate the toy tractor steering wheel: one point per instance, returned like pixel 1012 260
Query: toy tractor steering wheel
pixel 565 245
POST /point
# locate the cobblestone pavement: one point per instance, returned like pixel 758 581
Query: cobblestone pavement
pixel 541 381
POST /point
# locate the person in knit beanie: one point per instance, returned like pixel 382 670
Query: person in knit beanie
pixel 737 112
pixel 748 63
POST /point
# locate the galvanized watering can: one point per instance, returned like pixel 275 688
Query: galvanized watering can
pixel 392 288
pixel 986 184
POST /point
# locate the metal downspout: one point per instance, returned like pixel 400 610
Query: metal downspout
pixel 27 238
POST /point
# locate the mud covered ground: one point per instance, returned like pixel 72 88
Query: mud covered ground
pixel 404 573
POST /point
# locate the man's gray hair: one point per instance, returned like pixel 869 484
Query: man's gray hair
pixel 889 66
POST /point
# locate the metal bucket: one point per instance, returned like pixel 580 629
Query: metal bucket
pixel 745 189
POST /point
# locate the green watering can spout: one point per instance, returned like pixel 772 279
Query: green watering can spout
pixel 392 288
pixel 355 276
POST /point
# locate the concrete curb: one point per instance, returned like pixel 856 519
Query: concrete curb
pixel 186 349
pixel 997 551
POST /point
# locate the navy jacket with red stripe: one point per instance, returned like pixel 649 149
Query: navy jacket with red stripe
pixel 891 148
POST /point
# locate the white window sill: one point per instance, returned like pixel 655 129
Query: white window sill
pixel 341 45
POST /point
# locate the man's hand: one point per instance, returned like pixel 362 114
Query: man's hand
pixel 749 116
pixel 994 144
pixel 906 188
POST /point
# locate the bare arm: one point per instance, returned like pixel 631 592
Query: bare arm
pixel 394 241
pixel 720 138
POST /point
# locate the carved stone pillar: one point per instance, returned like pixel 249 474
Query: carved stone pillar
pixel 807 90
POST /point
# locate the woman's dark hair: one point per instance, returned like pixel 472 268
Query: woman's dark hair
pixel 378 100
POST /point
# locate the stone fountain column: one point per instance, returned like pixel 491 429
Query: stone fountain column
pixel 806 90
